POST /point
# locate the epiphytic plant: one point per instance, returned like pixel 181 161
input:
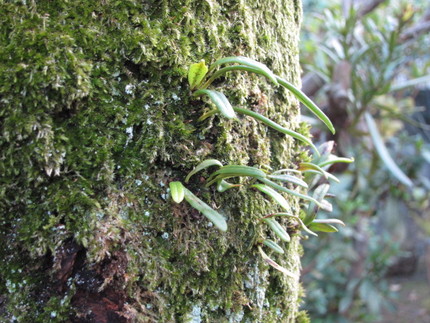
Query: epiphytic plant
pixel 270 184
pixel 201 77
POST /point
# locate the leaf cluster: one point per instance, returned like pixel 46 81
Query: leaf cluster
pixel 273 186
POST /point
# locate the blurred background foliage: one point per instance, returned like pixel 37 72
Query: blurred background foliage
pixel 368 64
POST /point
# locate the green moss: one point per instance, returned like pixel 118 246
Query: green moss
pixel 96 119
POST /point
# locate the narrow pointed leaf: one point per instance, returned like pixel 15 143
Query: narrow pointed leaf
pixel 289 179
pixel 319 193
pixel 224 70
pixel 326 206
pixel 277 127
pixel 239 170
pixel 303 226
pixel 383 152
pixel 220 101
pixel 223 186
pixel 177 191
pixel 273 245
pixel 308 103
pixel 216 218
pixel 286 170
pixel 273 194
pixel 261 68
pixel 315 169
pixel 278 229
pixel 332 159
pixel 204 164
pixel 325 174
pixel 275 265
pixel 216 179
pixel 322 227
pixel 329 221
pixel 286 190
pixel 196 74
pixel 310 166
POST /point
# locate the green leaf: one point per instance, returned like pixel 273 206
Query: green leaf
pixel 223 186
pixel 177 191
pixel 307 103
pixel 277 127
pixel 286 170
pixel 383 152
pixel 315 169
pixel 289 179
pixel 204 164
pixel 196 74
pixel 322 227
pixel 288 191
pixel 325 174
pixel 259 68
pixel 333 159
pixel 329 221
pixel 304 227
pixel 275 265
pixel 216 218
pixel 273 245
pixel 309 166
pixel 237 170
pixel 277 229
pixel 273 194
pixel 319 193
pixel 220 101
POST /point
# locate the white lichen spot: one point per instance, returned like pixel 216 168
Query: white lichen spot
pixel 210 224
pixel 138 182
pixel 175 97
pixel 53 314
pixel 237 317
pixel 129 88
pixel 165 236
pixel 149 122
pixel 195 316
pixel 149 306
pixel 147 213
pixel 129 132
pixel 146 106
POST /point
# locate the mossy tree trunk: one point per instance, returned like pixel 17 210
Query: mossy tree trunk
pixel 96 119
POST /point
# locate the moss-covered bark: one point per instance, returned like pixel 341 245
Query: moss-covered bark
pixel 96 119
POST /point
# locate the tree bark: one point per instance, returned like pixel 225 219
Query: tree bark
pixel 96 119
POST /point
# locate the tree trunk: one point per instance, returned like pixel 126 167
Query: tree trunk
pixel 96 119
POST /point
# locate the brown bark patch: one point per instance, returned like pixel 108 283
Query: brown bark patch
pixel 100 295
pixel 103 307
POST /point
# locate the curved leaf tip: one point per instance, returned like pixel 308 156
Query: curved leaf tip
pixel 220 101
pixel 216 218
pixel 177 191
